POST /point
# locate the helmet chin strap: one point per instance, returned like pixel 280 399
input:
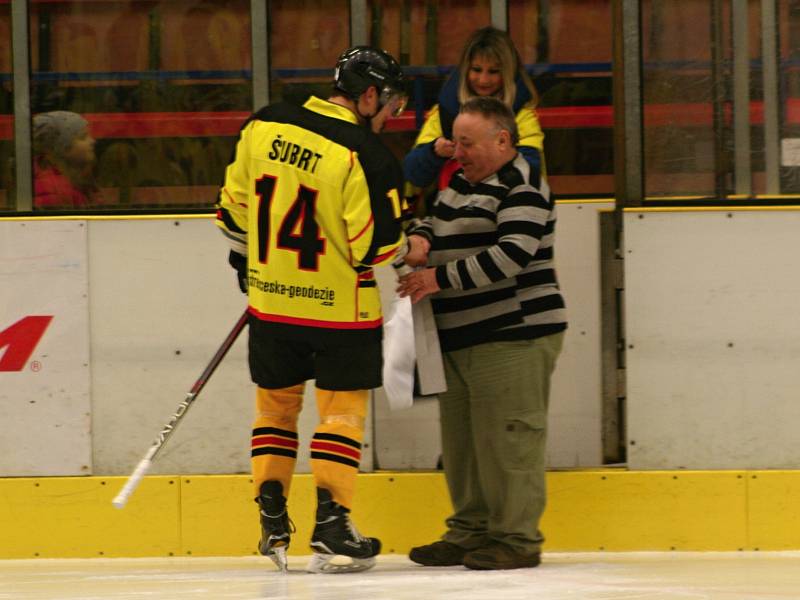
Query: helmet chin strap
pixel 367 118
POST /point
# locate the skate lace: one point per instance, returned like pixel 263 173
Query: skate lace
pixel 291 527
pixel 353 531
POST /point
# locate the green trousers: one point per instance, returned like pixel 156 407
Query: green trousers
pixel 493 424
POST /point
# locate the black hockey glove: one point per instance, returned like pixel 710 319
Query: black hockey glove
pixel 239 262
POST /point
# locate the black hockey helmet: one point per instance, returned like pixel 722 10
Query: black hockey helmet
pixel 360 67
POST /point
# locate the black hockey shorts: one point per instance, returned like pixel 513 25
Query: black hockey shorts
pixel 279 363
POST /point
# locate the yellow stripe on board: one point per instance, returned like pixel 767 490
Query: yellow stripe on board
pixel 71 517
pixel 110 217
pixel 214 515
pixel 211 215
pixel 585 201
pixel 733 208
pixel 643 510
pixel 774 516
pixel 743 197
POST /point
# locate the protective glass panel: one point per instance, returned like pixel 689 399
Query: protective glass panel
pixel 427 39
pixel 305 39
pixel 566 46
pixel 789 69
pixel 720 86
pixel 423 33
pixel 680 71
pixel 164 87
pixel 6 111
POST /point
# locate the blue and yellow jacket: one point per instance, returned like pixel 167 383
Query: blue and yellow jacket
pixel 422 166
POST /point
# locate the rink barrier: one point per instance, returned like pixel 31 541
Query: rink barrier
pixel 212 515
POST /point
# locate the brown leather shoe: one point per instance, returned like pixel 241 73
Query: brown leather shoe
pixel 500 556
pixel 438 554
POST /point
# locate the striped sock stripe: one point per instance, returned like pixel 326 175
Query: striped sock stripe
pixel 332 437
pixel 274 440
pixel 274 451
pixel 271 440
pixel 275 430
pixel 336 448
pixel 334 458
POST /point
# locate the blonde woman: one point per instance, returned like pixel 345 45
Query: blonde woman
pixel 490 66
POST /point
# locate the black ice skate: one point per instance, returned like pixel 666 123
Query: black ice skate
pixel 335 535
pixel 276 528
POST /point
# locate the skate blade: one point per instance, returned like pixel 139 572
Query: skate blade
pixel 324 563
pixel 278 556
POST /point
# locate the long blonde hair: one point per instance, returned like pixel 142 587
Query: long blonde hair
pixel 496 45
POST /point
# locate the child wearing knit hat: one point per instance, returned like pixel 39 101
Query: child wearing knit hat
pixel 63 161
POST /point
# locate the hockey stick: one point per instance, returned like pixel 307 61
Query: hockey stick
pixel 133 481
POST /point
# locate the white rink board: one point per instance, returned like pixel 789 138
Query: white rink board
pixel 163 300
pixel 410 439
pixel 45 413
pixel 713 335
pixel 576 396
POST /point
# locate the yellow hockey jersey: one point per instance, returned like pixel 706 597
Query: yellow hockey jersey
pixel 311 198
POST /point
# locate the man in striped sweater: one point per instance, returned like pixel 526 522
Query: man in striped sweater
pixel 501 323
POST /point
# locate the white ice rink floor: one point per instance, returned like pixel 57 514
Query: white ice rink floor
pixel 589 576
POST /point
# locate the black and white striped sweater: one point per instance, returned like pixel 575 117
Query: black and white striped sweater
pixel 492 247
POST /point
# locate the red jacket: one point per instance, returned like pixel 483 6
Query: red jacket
pixel 52 189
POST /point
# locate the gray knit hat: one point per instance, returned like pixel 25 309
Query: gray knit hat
pixel 56 130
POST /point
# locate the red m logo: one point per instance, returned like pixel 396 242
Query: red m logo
pixel 21 339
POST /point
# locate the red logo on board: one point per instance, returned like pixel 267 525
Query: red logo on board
pixel 20 341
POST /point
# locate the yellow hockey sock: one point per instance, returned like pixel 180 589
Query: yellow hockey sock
pixel 274 443
pixel 336 445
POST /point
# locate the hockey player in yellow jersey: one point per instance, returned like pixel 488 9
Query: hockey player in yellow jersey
pixel 310 205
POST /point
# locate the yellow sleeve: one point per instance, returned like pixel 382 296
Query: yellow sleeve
pixel 431 128
pixel 416 161
pixel 372 217
pixel 530 131
pixel 234 196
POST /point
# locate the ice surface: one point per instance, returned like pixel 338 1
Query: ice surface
pixel 562 576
